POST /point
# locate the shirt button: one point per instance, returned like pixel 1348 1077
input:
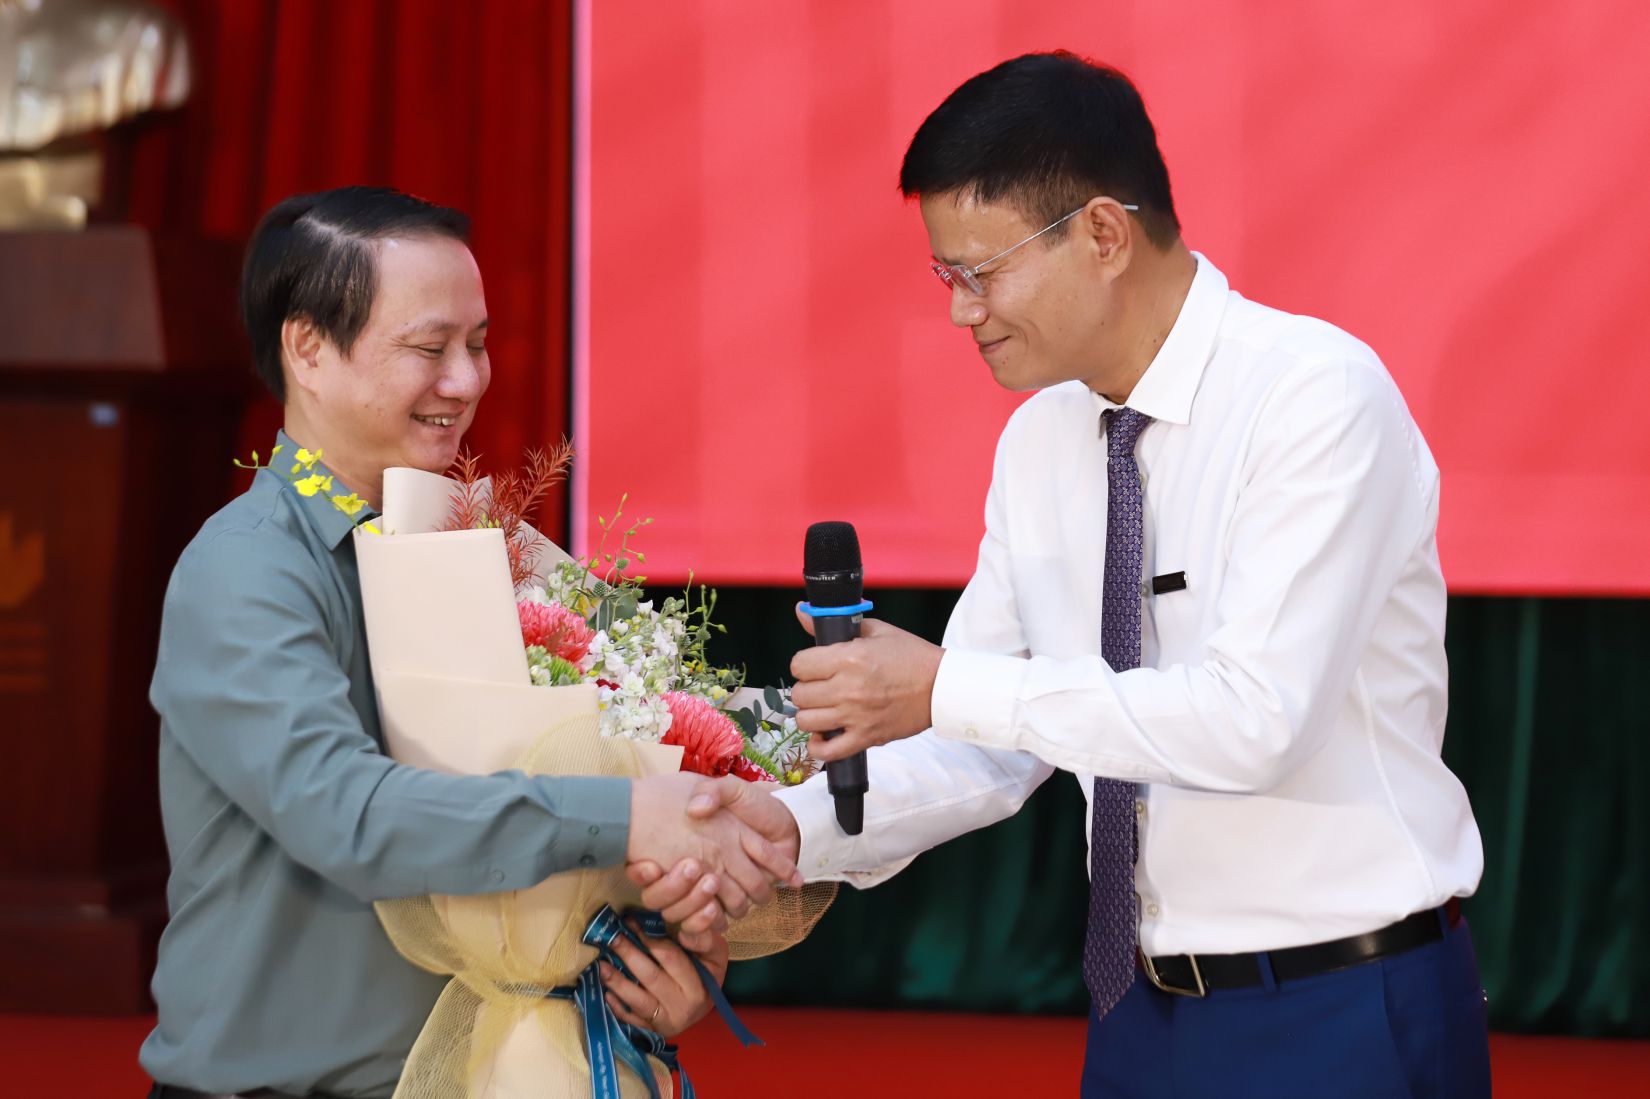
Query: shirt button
pixel 1153 911
pixel 1139 807
pixel 587 860
pixel 498 875
pixel 1145 589
pixel 595 829
pixel 823 862
pixel 971 733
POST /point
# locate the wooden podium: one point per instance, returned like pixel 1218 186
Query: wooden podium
pixel 122 380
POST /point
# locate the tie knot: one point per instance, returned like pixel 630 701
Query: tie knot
pixel 1123 427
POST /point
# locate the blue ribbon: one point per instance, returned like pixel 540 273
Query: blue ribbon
pixel 847 611
pixel 608 1041
pixel 653 926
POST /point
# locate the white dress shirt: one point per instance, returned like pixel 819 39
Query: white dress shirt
pixel 1286 720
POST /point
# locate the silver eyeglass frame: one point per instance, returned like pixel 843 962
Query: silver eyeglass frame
pixel 953 273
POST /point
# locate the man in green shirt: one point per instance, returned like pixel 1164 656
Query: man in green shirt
pixel 284 818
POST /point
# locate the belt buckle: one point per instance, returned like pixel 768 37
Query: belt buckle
pixel 1198 991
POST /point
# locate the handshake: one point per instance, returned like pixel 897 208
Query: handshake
pixel 705 849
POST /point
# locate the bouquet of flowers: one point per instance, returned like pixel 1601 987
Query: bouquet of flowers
pixel 492 649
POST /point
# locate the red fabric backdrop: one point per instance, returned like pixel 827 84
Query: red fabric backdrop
pixel 466 105
pixel 1455 184
pixel 1460 185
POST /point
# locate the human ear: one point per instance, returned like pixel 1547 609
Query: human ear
pixel 302 347
pixel 1110 233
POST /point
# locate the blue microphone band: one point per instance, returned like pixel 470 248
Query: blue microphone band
pixel 836 612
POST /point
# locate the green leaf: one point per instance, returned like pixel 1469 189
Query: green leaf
pixel 746 720
pixel 767 763
pixel 775 700
pixel 564 673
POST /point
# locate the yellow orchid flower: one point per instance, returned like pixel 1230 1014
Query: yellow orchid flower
pixel 309 486
pixel 350 504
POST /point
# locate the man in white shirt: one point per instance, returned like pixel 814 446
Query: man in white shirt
pixel 1209 588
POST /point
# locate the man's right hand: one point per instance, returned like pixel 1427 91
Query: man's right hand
pixel 734 838
pixel 684 895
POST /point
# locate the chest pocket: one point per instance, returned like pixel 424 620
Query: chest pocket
pixel 1180 592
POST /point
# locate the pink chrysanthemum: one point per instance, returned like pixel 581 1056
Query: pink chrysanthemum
pixel 556 628
pixel 750 771
pixel 710 739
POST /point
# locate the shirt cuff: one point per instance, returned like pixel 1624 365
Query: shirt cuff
pixel 824 851
pixel 595 819
pixel 974 696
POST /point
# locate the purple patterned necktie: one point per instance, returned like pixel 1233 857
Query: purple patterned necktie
pixel 1109 948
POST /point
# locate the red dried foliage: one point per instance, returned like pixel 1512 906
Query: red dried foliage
pixel 515 497
pixel 469 509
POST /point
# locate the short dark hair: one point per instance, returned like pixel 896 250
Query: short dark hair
pixel 1045 133
pixel 312 256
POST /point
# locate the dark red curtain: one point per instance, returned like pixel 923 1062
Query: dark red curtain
pixel 468 105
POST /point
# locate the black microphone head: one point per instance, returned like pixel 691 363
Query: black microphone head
pixel 830 565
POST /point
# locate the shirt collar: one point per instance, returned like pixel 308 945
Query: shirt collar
pixel 328 521
pixel 1166 390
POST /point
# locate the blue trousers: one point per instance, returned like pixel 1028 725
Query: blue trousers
pixel 1407 1027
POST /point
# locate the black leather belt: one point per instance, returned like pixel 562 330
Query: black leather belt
pixel 1199 974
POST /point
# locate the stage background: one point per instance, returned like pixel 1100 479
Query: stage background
pixel 1459 188
pixel 1459 185
pixel 466 105
pixel 1547 730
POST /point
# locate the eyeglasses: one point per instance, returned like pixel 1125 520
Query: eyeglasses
pixel 953 273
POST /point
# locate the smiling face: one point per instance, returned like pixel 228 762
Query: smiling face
pixel 1047 306
pixel 407 390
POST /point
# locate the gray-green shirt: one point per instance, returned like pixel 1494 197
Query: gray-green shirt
pixel 285 820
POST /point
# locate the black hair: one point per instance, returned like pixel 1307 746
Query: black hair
pixel 312 256
pixel 1045 132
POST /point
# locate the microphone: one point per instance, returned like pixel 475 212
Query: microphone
pixel 835 582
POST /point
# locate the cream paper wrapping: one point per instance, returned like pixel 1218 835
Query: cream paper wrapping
pixel 454 695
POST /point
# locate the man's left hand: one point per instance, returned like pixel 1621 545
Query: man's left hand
pixel 664 992
pixel 875 688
